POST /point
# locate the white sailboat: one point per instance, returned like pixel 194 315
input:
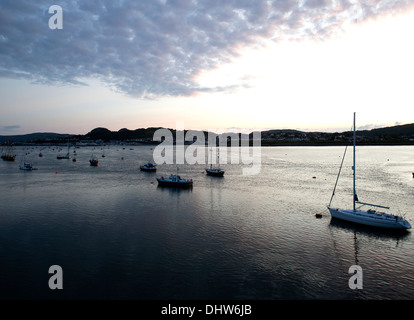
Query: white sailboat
pixel 366 217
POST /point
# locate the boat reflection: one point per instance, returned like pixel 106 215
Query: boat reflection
pixel 170 189
pixel 392 234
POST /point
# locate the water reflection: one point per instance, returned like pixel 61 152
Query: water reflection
pixel 174 190
pixel 117 234
pixel 371 232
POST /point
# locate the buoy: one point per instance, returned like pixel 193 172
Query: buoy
pixel 318 215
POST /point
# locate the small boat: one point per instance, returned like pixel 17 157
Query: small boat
pixel 8 157
pixel 216 172
pixel 27 166
pixel 366 217
pixel 93 161
pixel 60 157
pixel 67 156
pixel 9 154
pixel 148 167
pixel 175 181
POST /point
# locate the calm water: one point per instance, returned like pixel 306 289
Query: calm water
pixel 116 235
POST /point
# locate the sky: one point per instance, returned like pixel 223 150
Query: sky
pixel 211 64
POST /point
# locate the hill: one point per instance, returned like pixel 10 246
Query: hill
pixel 34 137
pixel 401 134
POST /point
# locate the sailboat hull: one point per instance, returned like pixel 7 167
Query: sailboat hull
pixel 370 218
pixel 27 167
pixel 215 172
pixel 8 158
pixel 174 184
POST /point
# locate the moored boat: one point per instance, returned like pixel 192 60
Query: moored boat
pixel 215 172
pixel 371 218
pixel 366 217
pixel 67 156
pixel 149 167
pixel 175 181
pixel 26 166
pixel 9 154
pixel 93 161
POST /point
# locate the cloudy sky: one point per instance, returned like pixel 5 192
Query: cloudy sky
pixel 213 64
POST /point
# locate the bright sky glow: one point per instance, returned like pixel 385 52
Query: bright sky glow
pixel 310 83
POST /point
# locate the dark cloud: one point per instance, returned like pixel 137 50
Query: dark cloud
pixel 9 128
pixel 158 47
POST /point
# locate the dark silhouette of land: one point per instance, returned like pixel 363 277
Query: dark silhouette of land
pixel 394 135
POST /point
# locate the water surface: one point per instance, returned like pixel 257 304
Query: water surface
pixel 117 235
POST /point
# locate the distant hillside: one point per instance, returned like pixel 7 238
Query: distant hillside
pixel 406 130
pixel 122 135
pixel 401 134
pixel 38 136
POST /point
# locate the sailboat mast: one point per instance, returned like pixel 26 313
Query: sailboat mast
pixel 211 158
pixel 353 167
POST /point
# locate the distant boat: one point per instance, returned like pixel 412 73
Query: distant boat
pixel 148 167
pixel 93 161
pixel 60 157
pixel 27 167
pixel 9 155
pixel 67 156
pixel 216 172
pixel 175 181
pixel 369 217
